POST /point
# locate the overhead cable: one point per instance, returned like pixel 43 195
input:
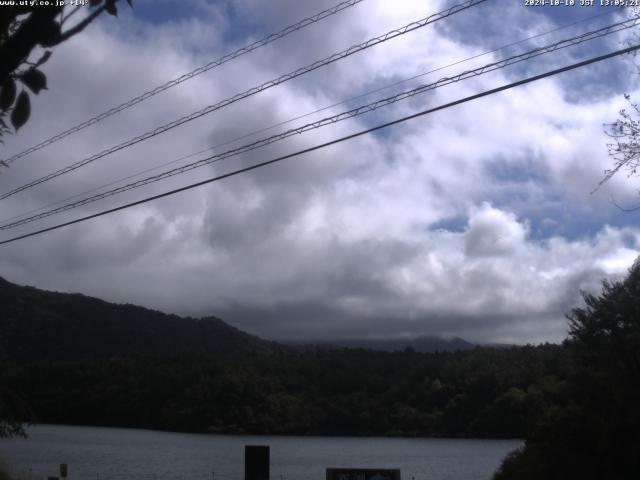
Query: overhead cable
pixel 252 91
pixel 332 142
pixel 299 117
pixel 187 76
pixel 355 112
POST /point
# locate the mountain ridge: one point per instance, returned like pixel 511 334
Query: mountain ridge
pixel 43 325
pixel 422 344
pixel 47 325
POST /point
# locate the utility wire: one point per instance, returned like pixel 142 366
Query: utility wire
pixel 333 142
pixel 187 76
pixel 272 83
pixel 355 112
pixel 308 114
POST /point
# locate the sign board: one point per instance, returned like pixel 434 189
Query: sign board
pixel 363 474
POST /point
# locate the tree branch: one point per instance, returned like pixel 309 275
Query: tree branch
pixel 80 26
pixel 71 14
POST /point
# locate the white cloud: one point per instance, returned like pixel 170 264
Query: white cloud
pixel 473 221
pixel 493 232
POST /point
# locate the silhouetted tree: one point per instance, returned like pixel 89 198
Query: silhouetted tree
pixel 595 433
pixel 25 29
pixel 624 149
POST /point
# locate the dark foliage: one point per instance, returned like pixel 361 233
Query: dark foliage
pixel 23 30
pixel 495 393
pixel 40 325
pixel 13 413
pixel 594 432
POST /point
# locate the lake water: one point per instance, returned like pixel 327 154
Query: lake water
pixel 94 453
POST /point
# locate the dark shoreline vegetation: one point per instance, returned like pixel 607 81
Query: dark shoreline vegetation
pixel 483 393
pixel 77 360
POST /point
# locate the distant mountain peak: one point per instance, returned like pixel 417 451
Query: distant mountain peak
pixel 423 343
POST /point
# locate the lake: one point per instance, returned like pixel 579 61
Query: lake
pixel 95 453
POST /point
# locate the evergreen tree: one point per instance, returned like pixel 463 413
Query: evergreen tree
pixel 595 434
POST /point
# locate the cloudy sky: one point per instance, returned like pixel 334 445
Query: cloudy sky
pixel 476 221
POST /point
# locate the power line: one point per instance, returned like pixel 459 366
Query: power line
pixel 332 142
pixel 187 76
pixel 272 83
pixel 355 112
pixel 299 117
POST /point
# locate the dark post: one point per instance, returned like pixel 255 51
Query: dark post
pixel 363 474
pixel 256 462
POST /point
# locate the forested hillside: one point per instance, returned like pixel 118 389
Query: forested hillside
pixel 40 325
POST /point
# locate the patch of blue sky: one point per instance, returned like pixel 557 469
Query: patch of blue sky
pixel 389 114
pixel 159 12
pixel 497 22
pixel 551 214
pixel 542 224
pixel 383 114
pixel 572 226
pixel 519 171
pixel 455 224
pixel 598 82
pixel 522 188
pixel 516 22
pixel 570 13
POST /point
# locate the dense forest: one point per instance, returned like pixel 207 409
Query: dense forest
pixel 484 392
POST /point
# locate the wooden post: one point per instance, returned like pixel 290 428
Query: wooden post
pixel 256 462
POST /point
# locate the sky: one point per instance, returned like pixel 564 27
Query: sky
pixel 484 221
